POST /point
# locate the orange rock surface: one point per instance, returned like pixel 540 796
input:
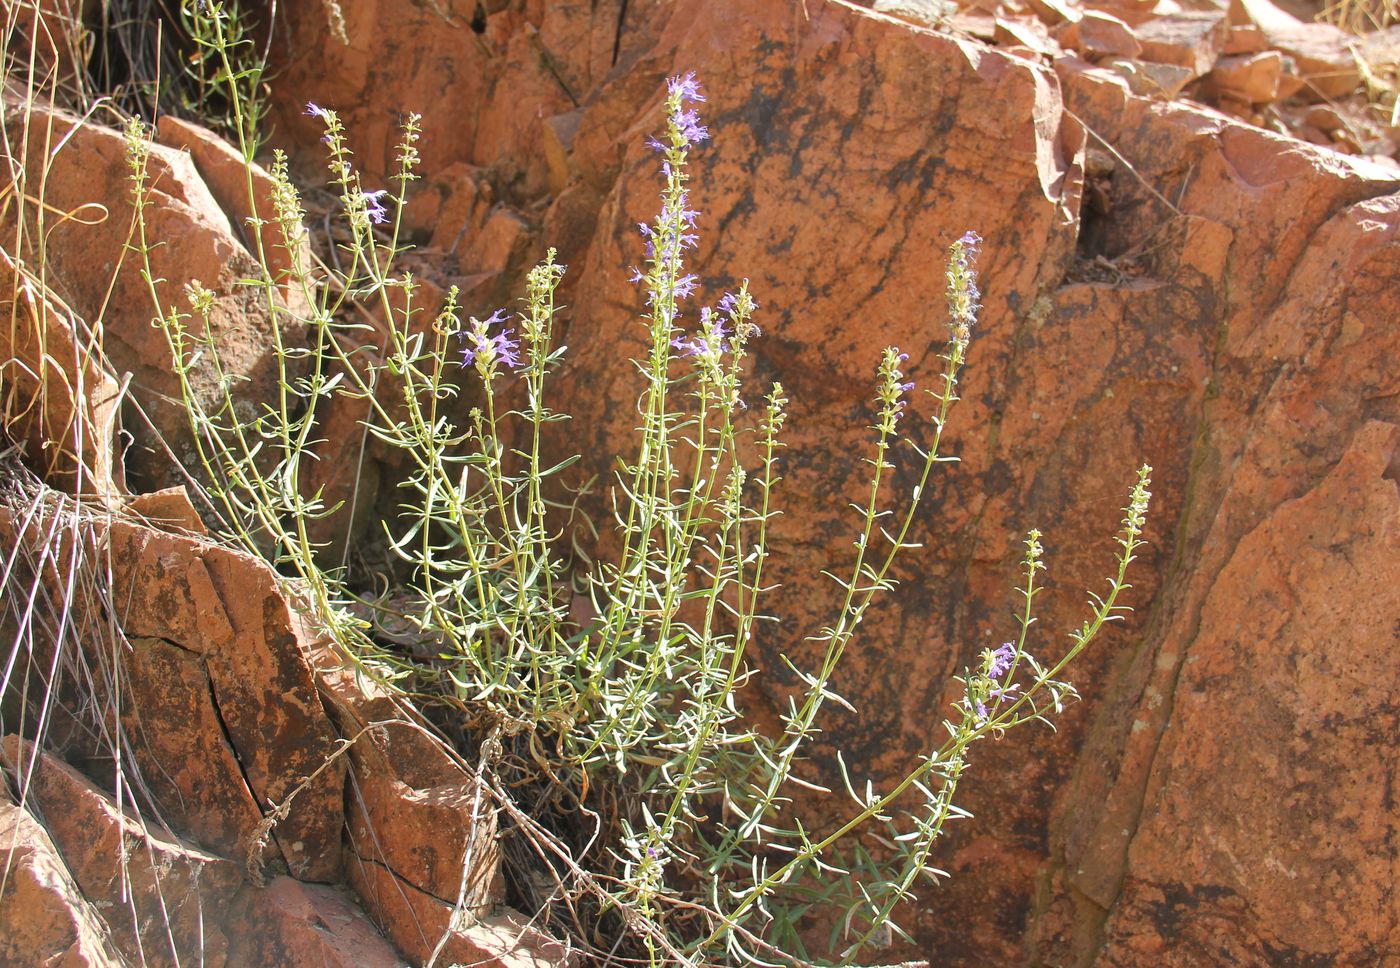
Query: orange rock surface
pixel 1163 283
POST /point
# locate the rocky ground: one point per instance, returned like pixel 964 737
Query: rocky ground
pixel 1190 215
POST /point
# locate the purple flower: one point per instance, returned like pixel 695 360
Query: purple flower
pixel 500 347
pixel 687 87
pixel 692 131
pixel 657 147
pixel 507 349
pixel 709 341
pixel 1001 661
pixel 374 207
pixel 314 110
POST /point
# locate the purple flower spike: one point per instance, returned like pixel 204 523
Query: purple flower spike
pixel 502 346
pixel 691 129
pixel 687 87
pixel 1001 660
pixel 315 110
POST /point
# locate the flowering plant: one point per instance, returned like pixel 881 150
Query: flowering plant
pixel 620 719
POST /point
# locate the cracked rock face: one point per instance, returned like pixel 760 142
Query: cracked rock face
pixel 229 841
pixel 1206 296
pixel 1162 284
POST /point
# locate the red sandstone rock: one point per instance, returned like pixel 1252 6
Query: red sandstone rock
pixel 197 745
pixel 54 33
pixel 1252 78
pixel 224 172
pixel 1324 53
pixel 417 922
pixel 1026 33
pixel 59 402
pixel 44 918
pixel 1290 440
pixel 1220 311
pixel 1054 12
pixel 1160 82
pixel 175 891
pixel 484 96
pixel 167 510
pixel 167 903
pixel 1191 39
pixel 226 610
pixel 1097 35
pixel 1132 12
pixel 1245 39
pixel 89 264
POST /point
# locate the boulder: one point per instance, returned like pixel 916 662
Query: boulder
pixel 90 266
pixel 44 918
pixel 1160 859
pixel 232 661
pixel 166 902
pixel 245 192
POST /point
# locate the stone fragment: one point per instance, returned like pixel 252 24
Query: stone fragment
pixel 44 918
pixel 291 923
pixel 1325 54
pixel 413 809
pixel 1052 12
pixel 558 143
pixel 925 13
pixel 1131 12
pixel 1245 39
pixel 1161 82
pixel 418 923
pixel 1325 118
pixel 165 902
pixel 449 205
pixel 499 246
pixel 167 510
pixel 1097 35
pixel 59 402
pixel 53 32
pixel 1030 34
pixel 159 896
pixel 1251 78
pixel 226 608
pixel 1191 39
pixel 176 732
